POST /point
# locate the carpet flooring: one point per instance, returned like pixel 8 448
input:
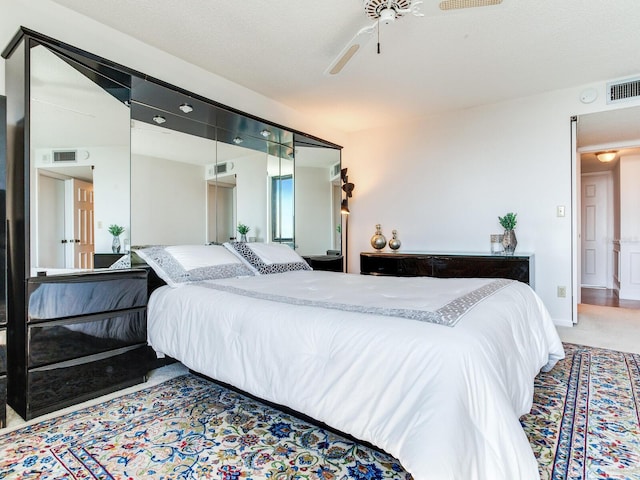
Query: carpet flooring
pixel 585 424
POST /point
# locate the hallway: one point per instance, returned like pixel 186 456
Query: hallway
pixel 607 298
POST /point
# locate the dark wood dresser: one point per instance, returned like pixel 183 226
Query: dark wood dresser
pixel 449 265
pixel 85 336
pixel 329 263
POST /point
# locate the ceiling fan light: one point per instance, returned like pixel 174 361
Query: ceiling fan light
pixel 387 16
pixel 606 157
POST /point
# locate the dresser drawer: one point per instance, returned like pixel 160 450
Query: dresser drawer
pixel 70 296
pixel 396 264
pixel 64 384
pixel 57 341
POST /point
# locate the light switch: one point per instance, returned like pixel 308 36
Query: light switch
pixel 560 210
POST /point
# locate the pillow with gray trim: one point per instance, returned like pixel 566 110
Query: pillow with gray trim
pixel 266 258
pixel 181 264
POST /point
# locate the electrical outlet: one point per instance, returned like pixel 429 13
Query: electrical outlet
pixel 562 292
pixel 560 210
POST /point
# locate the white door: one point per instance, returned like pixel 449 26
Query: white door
pixel 595 229
pixel 50 222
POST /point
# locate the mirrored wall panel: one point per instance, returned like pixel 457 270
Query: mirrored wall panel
pixel 118 161
pixel 79 164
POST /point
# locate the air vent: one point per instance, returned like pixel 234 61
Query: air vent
pixel 335 170
pixel 459 4
pixel 65 156
pixel 222 168
pixel 624 90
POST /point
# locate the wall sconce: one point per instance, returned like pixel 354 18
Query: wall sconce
pixel 347 188
pixel 344 207
pixel 606 157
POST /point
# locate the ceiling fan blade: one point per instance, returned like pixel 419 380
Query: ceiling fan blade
pixel 358 41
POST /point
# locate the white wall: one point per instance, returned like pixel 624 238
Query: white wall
pixel 168 202
pixel 313 210
pixel 443 181
pixel 252 194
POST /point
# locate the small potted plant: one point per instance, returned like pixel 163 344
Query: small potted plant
pixel 509 240
pixel 116 231
pixel 243 230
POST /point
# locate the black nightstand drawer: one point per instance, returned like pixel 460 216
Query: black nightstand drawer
pixel 51 342
pixel 72 382
pixel 70 296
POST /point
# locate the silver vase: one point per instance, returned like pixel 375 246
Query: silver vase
pixel 394 243
pixel 115 244
pixel 509 242
pixel 378 241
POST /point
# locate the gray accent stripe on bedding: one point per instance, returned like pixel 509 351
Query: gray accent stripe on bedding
pixel 448 315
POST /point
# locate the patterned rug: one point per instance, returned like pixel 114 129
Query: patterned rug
pixel 584 425
pixel 585 420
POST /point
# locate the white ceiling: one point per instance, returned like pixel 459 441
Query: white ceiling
pixel 280 48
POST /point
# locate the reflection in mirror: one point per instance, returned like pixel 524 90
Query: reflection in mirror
pixel 241 185
pixel 198 175
pixel 168 199
pixel 79 168
pixel 317 200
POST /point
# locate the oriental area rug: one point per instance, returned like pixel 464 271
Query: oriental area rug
pixel 584 425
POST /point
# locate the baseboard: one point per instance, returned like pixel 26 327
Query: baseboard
pixel 563 322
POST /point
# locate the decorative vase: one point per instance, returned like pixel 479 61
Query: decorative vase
pixel 509 242
pixel 115 244
pixel 394 243
pixel 243 237
pixel 378 241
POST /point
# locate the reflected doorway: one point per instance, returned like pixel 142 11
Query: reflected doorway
pixel 65 221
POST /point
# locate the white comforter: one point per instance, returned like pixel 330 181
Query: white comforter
pixel 445 401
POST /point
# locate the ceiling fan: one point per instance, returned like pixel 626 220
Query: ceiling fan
pixel 387 12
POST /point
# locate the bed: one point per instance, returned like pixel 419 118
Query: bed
pixel 436 372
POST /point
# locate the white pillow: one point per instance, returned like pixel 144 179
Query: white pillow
pixel 267 258
pixel 180 264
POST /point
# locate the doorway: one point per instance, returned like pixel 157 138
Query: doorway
pixel 64 223
pixel 607 208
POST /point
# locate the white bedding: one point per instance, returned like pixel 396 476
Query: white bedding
pixel 445 401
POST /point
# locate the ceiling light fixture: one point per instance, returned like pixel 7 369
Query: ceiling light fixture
pixel 606 157
pixel 159 119
pixel 186 108
pixel 265 133
pixel 237 140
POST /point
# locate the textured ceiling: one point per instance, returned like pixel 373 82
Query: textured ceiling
pixel 280 48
